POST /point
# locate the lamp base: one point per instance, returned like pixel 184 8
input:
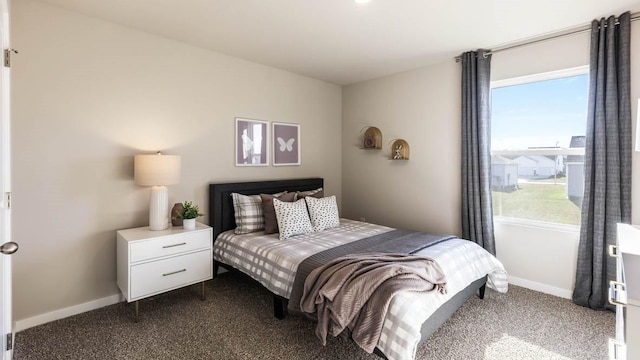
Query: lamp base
pixel 159 208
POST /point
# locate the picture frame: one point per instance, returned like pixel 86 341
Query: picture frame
pixel 286 144
pixel 251 139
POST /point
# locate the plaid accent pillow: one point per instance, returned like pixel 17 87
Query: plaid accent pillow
pixel 248 212
pixel 323 212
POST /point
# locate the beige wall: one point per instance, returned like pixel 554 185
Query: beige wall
pixel 87 95
pixel 423 107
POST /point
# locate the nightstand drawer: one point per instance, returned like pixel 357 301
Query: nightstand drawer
pixel 162 275
pixel 169 245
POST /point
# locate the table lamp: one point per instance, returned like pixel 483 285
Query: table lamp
pixel 157 171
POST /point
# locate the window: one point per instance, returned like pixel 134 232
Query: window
pixel 538 126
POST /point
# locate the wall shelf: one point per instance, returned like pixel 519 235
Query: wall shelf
pixel 372 139
pixel 400 150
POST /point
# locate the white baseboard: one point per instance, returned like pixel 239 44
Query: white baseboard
pixel 544 288
pixel 24 324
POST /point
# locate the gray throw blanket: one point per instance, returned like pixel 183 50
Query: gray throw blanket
pixel 393 242
pixel 353 292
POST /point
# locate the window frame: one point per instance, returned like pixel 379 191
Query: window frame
pixel 520 80
pixel 550 75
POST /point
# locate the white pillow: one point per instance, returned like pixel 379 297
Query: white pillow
pixel 293 218
pixel 323 212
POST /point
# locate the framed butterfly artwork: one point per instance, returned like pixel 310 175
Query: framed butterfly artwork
pixel 286 144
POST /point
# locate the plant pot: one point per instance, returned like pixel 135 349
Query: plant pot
pixel 189 224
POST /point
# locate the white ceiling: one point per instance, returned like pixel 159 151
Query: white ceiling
pixel 342 42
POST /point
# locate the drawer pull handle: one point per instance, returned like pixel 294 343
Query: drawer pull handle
pixel 174 272
pixel 617 293
pixel 170 246
pixel 613 251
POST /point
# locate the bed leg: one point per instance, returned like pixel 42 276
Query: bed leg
pixel 279 307
pixel 216 266
pixel 481 291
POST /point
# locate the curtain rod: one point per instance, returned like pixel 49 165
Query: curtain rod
pixel 557 35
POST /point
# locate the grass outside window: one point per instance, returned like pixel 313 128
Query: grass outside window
pixel 538 200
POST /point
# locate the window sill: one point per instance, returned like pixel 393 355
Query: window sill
pixel 536 224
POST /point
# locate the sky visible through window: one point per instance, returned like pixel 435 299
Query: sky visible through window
pixel 542 113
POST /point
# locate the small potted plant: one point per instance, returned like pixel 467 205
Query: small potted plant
pixel 188 214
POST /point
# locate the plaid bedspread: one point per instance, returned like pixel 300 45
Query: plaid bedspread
pixel 273 263
pixel 462 262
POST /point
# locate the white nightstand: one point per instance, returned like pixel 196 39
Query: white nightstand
pixel 624 293
pixel 153 262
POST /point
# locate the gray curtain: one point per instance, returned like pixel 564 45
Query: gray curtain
pixel 477 216
pixel 607 191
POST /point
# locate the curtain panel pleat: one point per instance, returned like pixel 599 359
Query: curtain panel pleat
pixel 607 190
pixel 477 216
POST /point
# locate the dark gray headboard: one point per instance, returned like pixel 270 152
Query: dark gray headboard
pixel 221 216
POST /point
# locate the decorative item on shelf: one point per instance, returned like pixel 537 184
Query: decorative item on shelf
pixel 372 138
pixel 157 171
pixel 400 150
pixel 175 210
pixel 188 214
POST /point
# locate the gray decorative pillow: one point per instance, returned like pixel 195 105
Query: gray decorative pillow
pixel 317 193
pixel 270 221
pixel 293 218
pixel 323 212
pixel 248 213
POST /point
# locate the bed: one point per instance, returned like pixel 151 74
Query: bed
pixel 406 324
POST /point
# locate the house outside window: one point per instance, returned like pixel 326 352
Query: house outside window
pixel 538 126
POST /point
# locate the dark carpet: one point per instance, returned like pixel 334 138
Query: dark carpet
pixel 236 322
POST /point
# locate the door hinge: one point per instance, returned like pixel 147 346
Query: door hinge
pixel 9 342
pixel 7 56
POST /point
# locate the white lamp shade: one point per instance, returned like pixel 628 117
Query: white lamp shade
pixel 157 169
